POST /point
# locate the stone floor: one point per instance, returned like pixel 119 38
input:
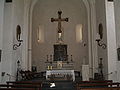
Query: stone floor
pixel 59 85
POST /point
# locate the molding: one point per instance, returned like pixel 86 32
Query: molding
pixel 25 59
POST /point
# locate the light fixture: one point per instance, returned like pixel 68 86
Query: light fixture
pixel 99 42
pixel 15 46
pixel 18 37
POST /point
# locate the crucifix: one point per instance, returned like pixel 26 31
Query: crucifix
pixel 59 20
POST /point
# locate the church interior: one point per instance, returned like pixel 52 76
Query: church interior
pixel 59 45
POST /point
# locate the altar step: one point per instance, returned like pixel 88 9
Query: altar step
pixel 59 85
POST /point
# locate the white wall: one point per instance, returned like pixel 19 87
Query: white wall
pixel 1 20
pixel 13 16
pixel 7 41
pixel 117 23
pixel 76 12
pixel 111 41
pixel 18 19
pixel 1 27
pixel 117 19
pixel 100 18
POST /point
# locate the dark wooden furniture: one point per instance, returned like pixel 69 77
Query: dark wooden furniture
pixel 17 89
pixel 24 82
pixel 98 85
pixel 96 81
pixel 21 85
pixel 101 88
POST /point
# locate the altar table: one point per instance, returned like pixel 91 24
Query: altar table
pixel 60 73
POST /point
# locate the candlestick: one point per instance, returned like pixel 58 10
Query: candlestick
pixel 98 36
pixel 47 58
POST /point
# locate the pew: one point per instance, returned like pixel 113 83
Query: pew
pixel 18 89
pixel 99 85
pixel 100 88
pixel 96 81
pixel 36 87
pixel 24 82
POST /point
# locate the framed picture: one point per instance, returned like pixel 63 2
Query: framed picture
pixel 118 53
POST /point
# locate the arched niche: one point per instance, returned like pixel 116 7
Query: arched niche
pixel 27 59
pixel 43 11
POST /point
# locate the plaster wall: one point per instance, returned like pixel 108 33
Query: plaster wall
pixel 1 27
pixel 7 42
pixel 18 19
pixel 111 41
pixel 117 23
pixel 101 18
pixel 13 16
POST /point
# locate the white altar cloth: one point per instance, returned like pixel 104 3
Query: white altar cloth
pixel 64 72
pixel 85 72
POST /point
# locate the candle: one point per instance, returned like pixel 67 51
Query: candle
pixel 98 36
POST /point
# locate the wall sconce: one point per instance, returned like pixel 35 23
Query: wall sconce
pixel 100 36
pixel 99 42
pixel 18 37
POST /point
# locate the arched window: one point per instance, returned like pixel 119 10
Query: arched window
pixel 40 34
pixel 79 34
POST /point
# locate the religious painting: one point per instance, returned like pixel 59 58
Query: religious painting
pixel 60 52
pixel 118 54
pixel 0 55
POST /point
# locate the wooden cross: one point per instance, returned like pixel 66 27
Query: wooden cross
pixel 59 20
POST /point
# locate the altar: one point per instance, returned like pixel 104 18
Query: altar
pixel 58 65
pixel 60 75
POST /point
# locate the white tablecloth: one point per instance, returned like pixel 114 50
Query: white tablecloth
pixel 85 72
pixel 64 72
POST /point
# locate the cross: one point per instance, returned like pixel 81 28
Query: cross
pixel 59 20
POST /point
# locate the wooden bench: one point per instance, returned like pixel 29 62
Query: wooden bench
pixel 95 81
pixel 30 86
pixel 101 88
pixel 96 85
pixel 17 89
pixel 24 82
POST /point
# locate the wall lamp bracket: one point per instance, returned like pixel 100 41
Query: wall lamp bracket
pixel 15 46
pixel 101 44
